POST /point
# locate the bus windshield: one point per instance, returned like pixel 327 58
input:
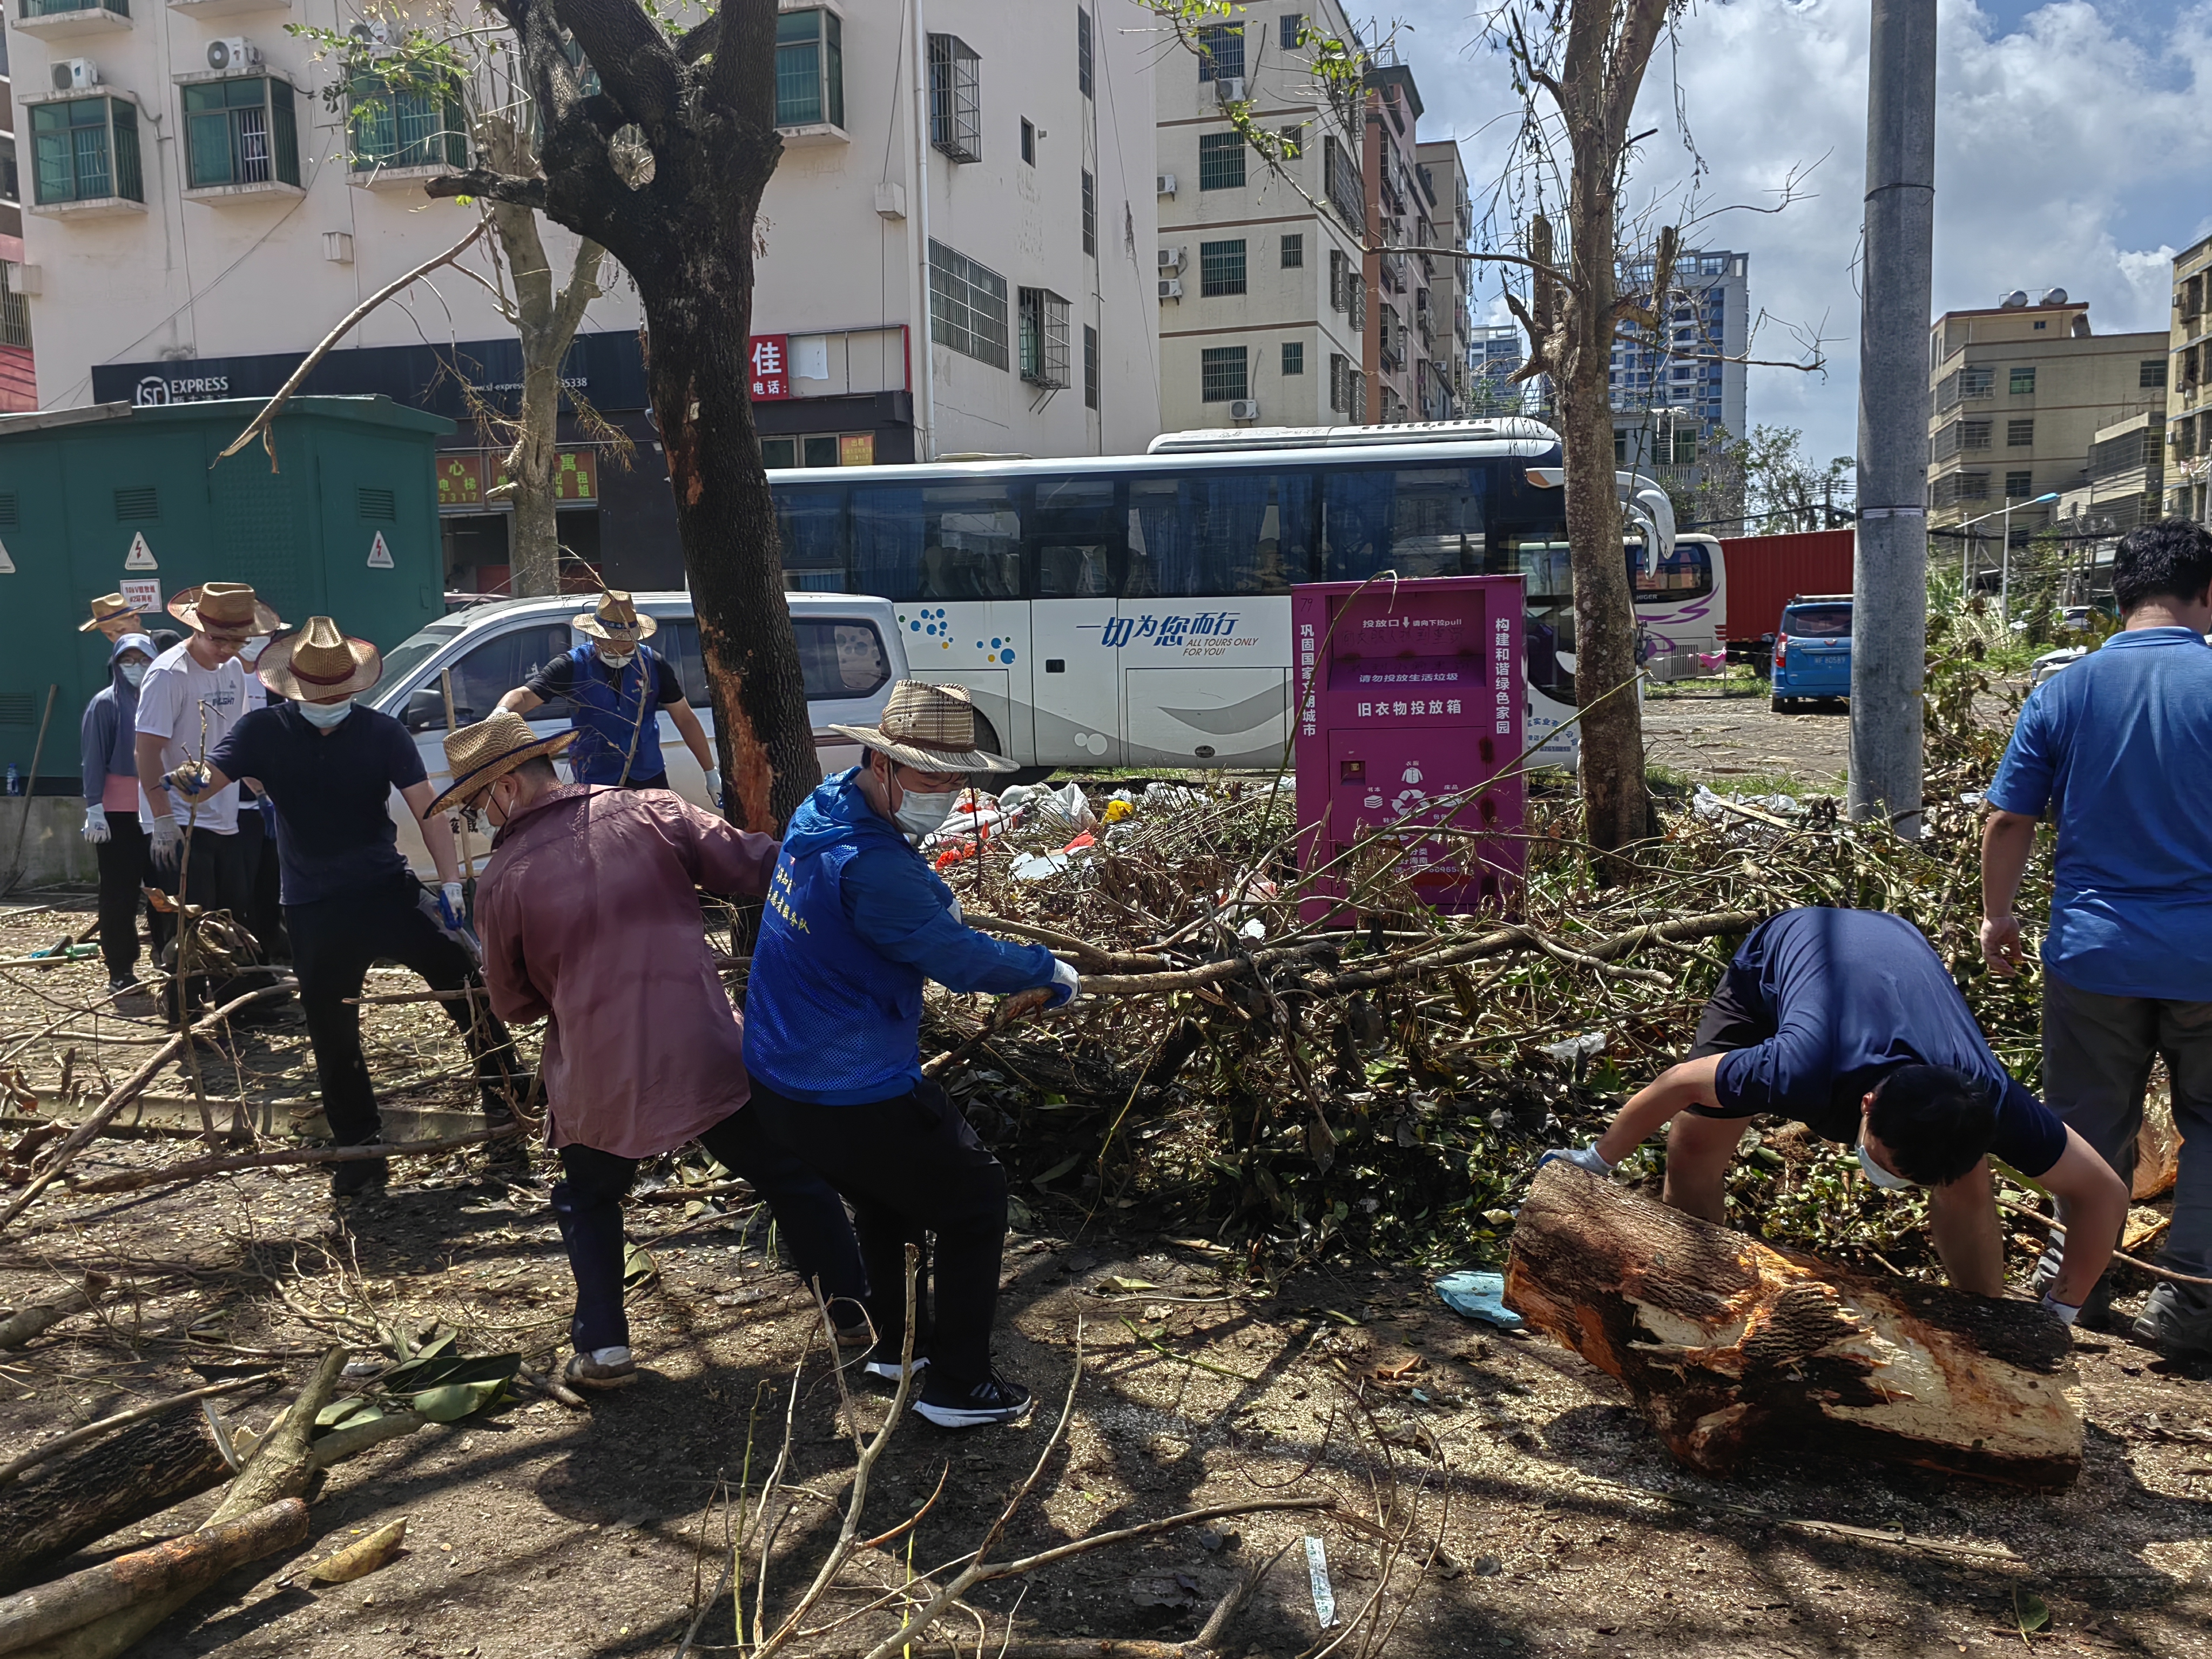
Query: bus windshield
pixel 1687 573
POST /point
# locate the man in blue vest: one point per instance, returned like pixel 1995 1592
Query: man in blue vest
pixel 855 922
pixel 617 685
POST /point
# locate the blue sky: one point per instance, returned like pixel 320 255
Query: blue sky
pixel 2073 150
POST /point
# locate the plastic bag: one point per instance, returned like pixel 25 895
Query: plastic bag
pixel 1479 1295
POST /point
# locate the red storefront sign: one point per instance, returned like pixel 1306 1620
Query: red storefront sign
pixel 771 366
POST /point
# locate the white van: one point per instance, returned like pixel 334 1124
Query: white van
pixel 848 647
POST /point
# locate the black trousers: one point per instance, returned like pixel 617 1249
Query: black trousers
pixel 217 874
pixel 334 941
pixel 125 870
pixel 911 1166
pixel 587 1203
pixel 265 916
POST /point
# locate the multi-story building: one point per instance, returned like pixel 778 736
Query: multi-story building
pixel 2189 385
pixel 19 380
pixel 1698 366
pixel 1494 356
pixel 2023 394
pixel 956 245
pixel 1441 171
pixel 1399 216
pixel 1261 299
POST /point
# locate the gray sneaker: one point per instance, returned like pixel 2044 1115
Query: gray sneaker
pixel 2175 1329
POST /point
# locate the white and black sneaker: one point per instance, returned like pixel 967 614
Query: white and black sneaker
pixel 882 1363
pixel 951 1404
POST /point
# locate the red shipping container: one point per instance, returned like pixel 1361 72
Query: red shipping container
pixel 1765 573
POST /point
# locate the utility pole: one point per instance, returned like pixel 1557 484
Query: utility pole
pixel 1889 615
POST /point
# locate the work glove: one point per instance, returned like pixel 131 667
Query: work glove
pixel 451 910
pixel 1582 1157
pixel 1065 982
pixel 168 842
pixel 95 824
pixel 2065 1313
pixel 188 780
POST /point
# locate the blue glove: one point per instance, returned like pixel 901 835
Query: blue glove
pixel 1479 1295
pixel 1582 1157
pixel 1065 982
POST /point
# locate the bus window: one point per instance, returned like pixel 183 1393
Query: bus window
pixel 1548 631
pixel 1242 530
pixel 811 523
pixel 954 542
pixel 887 541
pixel 1684 573
pixel 1074 537
pixel 1417 521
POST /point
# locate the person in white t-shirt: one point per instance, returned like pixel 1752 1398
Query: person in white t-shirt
pixel 189 700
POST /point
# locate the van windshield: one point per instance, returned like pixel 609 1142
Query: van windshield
pixel 1817 622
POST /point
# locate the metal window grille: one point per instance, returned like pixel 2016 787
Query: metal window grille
pixel 1355 298
pixel 2018 433
pixel 956 100
pixel 1220 160
pixel 15 322
pixel 1358 396
pixel 2022 383
pixel 1974 434
pixel 1294 357
pixel 1221 374
pixel 396 124
pixel 1339 382
pixel 1337 264
pixel 1044 337
pixel 1090 367
pixel 1221 269
pixel 2151 372
pixel 809 69
pixel 1083 52
pixel 1342 179
pixel 84 149
pixel 1090 213
pixel 1977 380
pixel 1221 52
pixel 1290 23
pixel 967 305
pixel 1294 251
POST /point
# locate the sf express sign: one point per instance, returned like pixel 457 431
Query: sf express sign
pixel 153 391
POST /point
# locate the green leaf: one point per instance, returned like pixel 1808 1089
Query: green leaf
pixel 456 1400
pixel 639 1267
pixel 450 1368
pixel 2029 1611
pixel 338 1411
pixel 1057 1171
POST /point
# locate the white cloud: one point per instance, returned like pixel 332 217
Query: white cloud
pixel 2070 152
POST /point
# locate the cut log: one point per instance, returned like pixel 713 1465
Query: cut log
pixel 33 1321
pixel 1732 1347
pixel 137 1472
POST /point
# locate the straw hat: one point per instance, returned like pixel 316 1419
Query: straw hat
pixel 479 755
pixel 931 727
pixel 617 619
pixel 108 607
pixel 318 664
pixel 225 610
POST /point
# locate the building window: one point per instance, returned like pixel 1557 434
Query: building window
pixel 2023 382
pixel 956 100
pixel 1294 250
pixel 1339 382
pixel 2019 486
pixel 85 150
pixel 2151 372
pixel 1044 337
pixel 1294 142
pixel 14 312
pixel 1339 266
pixel 241 132
pixel 2019 434
pixel 1029 142
pixel 1342 181
pixel 1294 357
pixel 1221 161
pixel 399 124
pixel 1221 376
pixel 1090 367
pixel 1355 299
pixel 1974 434
pixel 1221 269
pixel 1289 25
pixel 809 69
pixel 1357 399
pixel 967 305
pixel 1221 55
pixel 1090 213
pixel 10 186
pixel 1083 53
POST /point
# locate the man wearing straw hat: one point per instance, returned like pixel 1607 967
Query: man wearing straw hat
pixel 617 685
pixel 113 616
pixel 329 767
pixel 855 922
pixel 189 698
pixel 590 912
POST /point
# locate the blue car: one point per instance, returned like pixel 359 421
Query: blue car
pixel 1813 650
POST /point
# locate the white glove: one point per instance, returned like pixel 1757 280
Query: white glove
pixel 95 824
pixel 1065 982
pixel 1582 1157
pixel 956 909
pixel 452 907
pixel 168 842
pixel 2064 1312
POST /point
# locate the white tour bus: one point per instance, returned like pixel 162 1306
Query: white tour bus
pixel 1136 609
pixel 1681 605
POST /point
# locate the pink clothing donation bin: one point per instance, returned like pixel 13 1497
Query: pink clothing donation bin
pixel 1411 699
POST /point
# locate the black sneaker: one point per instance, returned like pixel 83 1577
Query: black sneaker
pixel 951 1405
pixel 350 1180
pixel 2175 1329
pixel 122 984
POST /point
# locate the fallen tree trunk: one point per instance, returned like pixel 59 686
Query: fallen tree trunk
pixel 1732 1348
pixel 137 1472
pixel 186 1564
pixel 35 1319
pixel 130 1181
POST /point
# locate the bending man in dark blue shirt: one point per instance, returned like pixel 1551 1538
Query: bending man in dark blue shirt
pixel 1849 1023
pixel 855 922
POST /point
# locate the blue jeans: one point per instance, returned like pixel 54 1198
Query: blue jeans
pixel 588 1204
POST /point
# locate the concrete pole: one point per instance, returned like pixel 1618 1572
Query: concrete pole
pixel 1889 618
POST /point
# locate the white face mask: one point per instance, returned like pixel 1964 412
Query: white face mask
pixel 617 663
pixel 324 715
pixel 1881 1177
pixel 133 672
pixel 918 815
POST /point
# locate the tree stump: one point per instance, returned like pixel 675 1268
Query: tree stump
pixel 1732 1346
pixel 136 1472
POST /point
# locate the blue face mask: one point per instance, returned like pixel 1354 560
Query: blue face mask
pixel 1882 1178
pixel 323 716
pixel 132 672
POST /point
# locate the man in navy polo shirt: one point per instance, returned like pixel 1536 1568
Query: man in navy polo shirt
pixel 616 685
pixel 1849 1023
pixel 2118 749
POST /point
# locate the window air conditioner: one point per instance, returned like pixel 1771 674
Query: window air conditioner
pixel 1228 89
pixel 1171 258
pixel 1166 184
pixel 1244 408
pixel 74 74
pixel 233 52
pixel 1170 288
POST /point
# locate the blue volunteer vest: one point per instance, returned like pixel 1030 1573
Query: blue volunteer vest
pixel 610 713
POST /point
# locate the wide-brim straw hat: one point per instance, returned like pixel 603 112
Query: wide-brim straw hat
pixel 318 664
pixel 107 608
pixel 931 727
pixel 617 619
pixel 479 755
pixel 225 610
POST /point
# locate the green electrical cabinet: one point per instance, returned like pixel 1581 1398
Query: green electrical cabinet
pixel 118 498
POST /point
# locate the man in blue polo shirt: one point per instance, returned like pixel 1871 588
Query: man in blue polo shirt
pixel 1849 1023
pixel 2118 751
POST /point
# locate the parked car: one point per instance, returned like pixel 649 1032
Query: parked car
pixel 848 648
pixel 1812 650
pixel 2052 661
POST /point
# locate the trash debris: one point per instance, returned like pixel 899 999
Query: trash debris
pixel 1576 1050
pixel 1481 1296
pixel 1324 1594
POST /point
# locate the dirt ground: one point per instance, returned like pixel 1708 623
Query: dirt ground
pixel 1722 739
pixel 543 1532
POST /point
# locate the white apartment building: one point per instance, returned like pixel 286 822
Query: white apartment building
pixel 1261 299
pixel 1444 389
pixel 957 240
